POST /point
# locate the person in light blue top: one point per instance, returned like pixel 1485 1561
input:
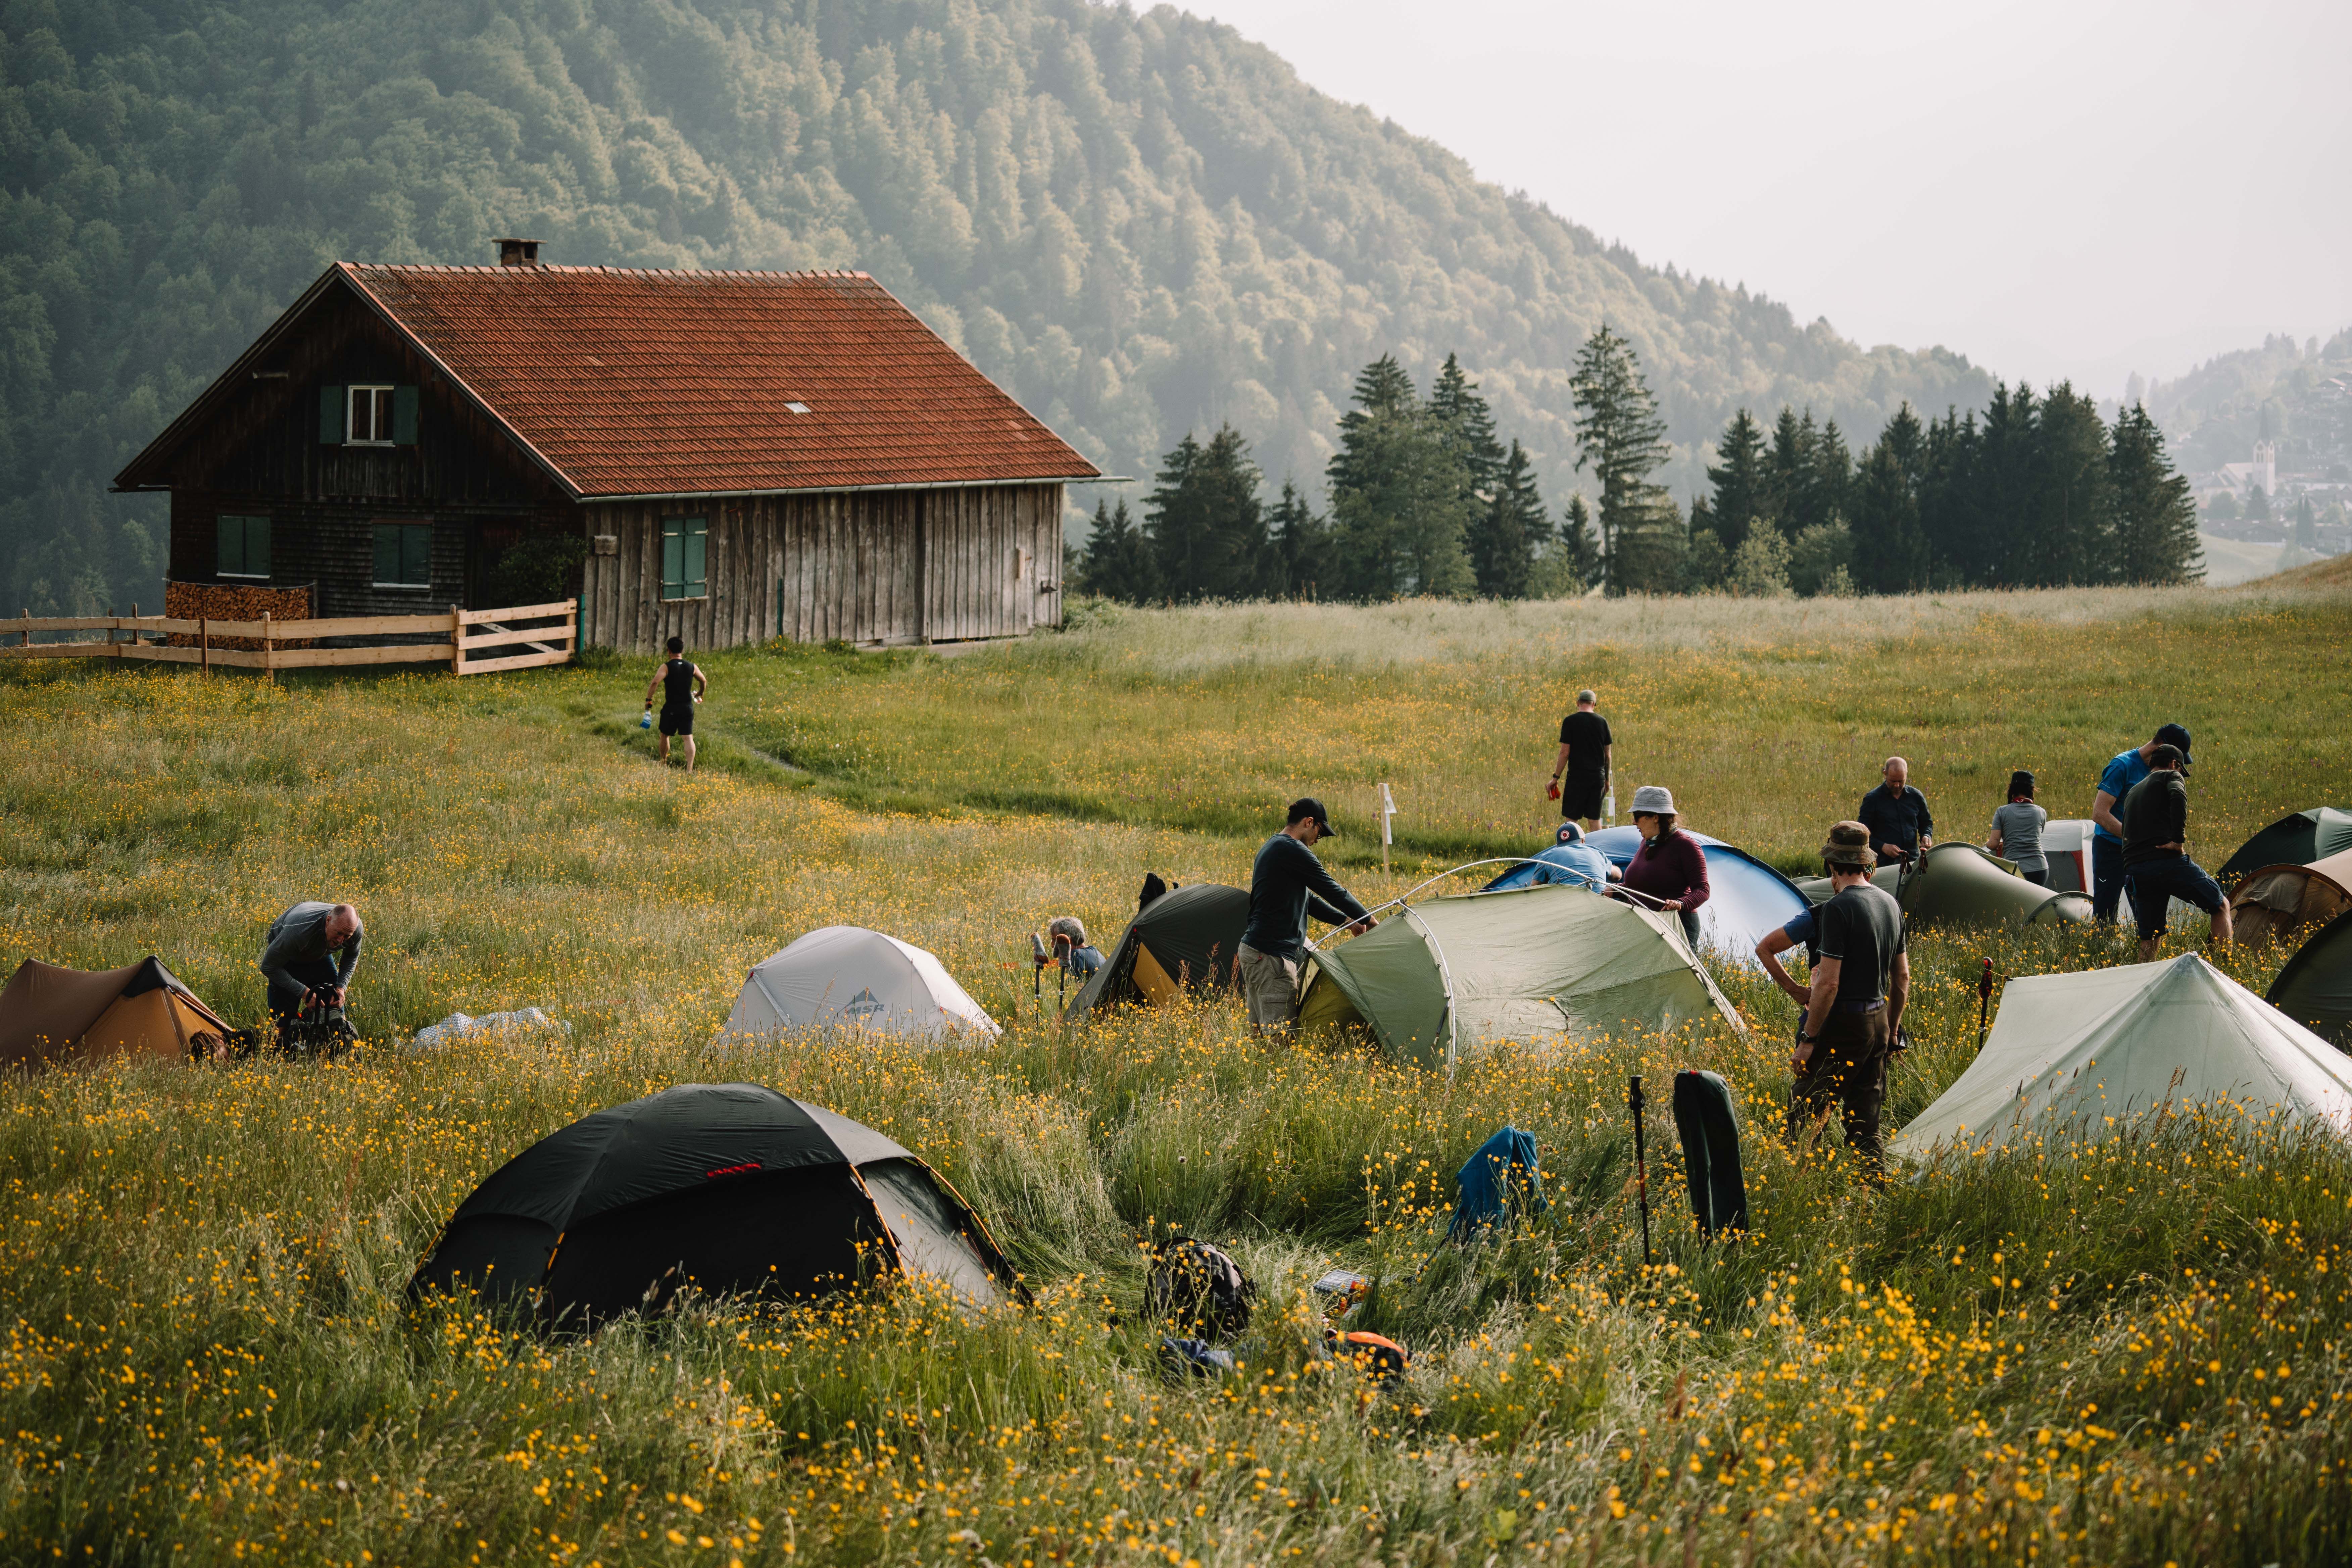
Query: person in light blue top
pixel 2123 769
pixel 2017 827
pixel 1572 859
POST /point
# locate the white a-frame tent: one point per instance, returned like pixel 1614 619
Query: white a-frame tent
pixel 846 977
pixel 2086 1053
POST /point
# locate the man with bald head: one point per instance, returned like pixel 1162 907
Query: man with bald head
pixel 312 947
pixel 1901 826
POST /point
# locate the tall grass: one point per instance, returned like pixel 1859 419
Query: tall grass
pixel 2128 1355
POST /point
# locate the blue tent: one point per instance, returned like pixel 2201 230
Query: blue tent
pixel 1745 898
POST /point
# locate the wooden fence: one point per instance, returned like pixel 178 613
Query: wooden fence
pixel 463 637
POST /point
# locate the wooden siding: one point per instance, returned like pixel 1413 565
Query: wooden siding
pixel 878 567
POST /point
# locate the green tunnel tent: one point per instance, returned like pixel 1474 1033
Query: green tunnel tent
pixel 2294 840
pixel 2314 986
pixel 2085 1054
pixel 1184 940
pixel 1437 980
pixel 1959 884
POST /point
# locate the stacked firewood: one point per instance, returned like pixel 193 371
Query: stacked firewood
pixel 235 602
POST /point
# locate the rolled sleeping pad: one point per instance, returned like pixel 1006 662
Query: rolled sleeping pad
pixel 1710 1137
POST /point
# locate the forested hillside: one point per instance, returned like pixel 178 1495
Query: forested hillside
pixel 1140 223
pixel 2299 396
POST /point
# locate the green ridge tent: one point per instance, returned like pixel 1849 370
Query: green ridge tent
pixel 1183 940
pixel 1438 979
pixel 2315 988
pixel 2296 840
pixel 2090 1051
pixel 1962 885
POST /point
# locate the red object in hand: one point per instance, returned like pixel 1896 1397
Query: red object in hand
pixel 1553 793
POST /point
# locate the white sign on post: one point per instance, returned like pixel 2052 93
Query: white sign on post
pixel 1388 810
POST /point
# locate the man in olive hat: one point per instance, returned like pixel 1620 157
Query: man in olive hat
pixel 1287 883
pixel 1854 1002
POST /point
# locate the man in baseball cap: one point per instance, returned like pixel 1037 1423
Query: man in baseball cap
pixel 2123 773
pixel 1287 883
pixel 1854 1000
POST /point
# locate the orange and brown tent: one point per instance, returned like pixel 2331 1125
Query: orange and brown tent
pixel 49 1015
pixel 2277 901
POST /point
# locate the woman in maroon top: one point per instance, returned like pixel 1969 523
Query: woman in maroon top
pixel 1669 865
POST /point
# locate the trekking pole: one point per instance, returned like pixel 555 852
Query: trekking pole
pixel 1984 1002
pixel 1640 1167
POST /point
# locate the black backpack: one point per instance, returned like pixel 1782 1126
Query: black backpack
pixel 1199 1287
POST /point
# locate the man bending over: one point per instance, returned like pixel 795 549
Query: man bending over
pixel 312 947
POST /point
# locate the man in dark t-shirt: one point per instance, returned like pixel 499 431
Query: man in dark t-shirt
pixel 1854 1000
pixel 680 683
pixel 1584 754
pixel 2157 868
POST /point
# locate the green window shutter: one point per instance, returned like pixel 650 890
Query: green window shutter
pixel 231 544
pixel 404 417
pixel 697 574
pixel 242 546
pixel 673 559
pixel 334 407
pixel 257 546
pixel 417 553
pixel 387 552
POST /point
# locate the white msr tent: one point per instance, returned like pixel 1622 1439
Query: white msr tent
pixel 2097 1048
pixel 846 977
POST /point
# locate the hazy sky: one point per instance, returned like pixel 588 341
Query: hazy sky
pixel 2059 188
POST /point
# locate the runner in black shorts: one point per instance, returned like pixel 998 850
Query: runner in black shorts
pixel 680 685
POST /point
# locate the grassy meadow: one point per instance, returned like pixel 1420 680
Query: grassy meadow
pixel 2133 1355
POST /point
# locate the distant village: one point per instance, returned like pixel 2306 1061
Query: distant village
pixel 2295 494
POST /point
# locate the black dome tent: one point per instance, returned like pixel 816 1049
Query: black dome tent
pixel 728 1187
pixel 1183 940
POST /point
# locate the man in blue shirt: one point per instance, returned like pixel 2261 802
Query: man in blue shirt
pixel 2123 769
pixel 1572 859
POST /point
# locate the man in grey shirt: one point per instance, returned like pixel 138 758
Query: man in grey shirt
pixel 311 947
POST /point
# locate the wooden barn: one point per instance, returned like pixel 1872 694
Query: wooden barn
pixel 726 456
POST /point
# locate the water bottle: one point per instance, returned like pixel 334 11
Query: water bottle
pixel 1609 808
pixel 647 722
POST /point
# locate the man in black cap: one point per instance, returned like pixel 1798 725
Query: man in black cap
pixel 1287 885
pixel 2121 774
pixel 2157 867
pixel 1854 1002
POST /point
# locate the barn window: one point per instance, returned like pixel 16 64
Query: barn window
pixel 685 558
pixel 370 424
pixel 404 556
pixel 244 547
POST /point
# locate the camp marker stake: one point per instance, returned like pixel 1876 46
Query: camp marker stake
pixel 1984 1002
pixel 1640 1166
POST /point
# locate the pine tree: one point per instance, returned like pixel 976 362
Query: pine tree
pixel 1828 488
pixel 2155 515
pixel 1947 497
pixel 1890 539
pixel 1578 545
pixel 1118 562
pixel 2072 538
pixel 1789 470
pixel 1206 523
pixel 1400 497
pixel 1741 480
pixel 1468 426
pixel 1622 440
pixel 2005 495
pixel 2258 504
pixel 1297 540
pixel 1508 530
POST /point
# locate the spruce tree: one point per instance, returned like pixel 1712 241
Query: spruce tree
pixel 1828 499
pixel 1622 440
pixel 1400 497
pixel 1742 483
pixel 1890 538
pixel 1118 562
pixel 1578 545
pixel 1206 521
pixel 2072 537
pixel 1789 471
pixel 1468 426
pixel 2155 515
pixel 2005 495
pixel 1508 530
pixel 1948 498
pixel 1297 541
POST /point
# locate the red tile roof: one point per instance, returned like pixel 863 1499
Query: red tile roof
pixel 629 381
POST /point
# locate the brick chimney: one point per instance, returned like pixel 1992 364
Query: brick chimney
pixel 518 253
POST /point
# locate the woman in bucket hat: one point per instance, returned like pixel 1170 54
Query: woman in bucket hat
pixel 1669 866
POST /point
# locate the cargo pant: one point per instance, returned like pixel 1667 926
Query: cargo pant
pixel 1270 985
pixel 1848 1066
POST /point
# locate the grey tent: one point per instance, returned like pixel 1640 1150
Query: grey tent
pixel 1439 979
pixel 1183 940
pixel 2315 988
pixel 1959 884
pixel 2083 1055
